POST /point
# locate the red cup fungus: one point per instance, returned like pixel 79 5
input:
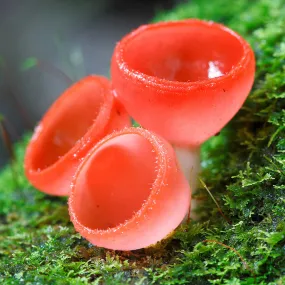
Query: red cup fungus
pixel 129 192
pixel 183 80
pixel 80 117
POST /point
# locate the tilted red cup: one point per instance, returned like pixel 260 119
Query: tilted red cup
pixel 129 192
pixel 80 117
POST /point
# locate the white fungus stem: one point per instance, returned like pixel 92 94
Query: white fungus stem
pixel 189 160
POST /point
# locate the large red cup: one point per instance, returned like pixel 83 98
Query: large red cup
pixel 184 80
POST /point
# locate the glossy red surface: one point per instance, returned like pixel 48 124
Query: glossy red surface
pixel 184 80
pixel 129 192
pixel 81 116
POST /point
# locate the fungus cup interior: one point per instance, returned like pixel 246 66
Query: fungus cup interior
pixel 114 182
pixel 187 52
pixel 68 120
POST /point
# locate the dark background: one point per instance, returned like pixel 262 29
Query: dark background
pixel 77 37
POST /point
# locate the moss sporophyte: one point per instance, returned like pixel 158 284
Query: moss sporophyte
pixel 242 171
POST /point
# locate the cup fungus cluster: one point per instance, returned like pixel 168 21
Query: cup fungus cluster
pixel 128 187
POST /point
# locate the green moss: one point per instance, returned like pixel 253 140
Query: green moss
pixel 243 167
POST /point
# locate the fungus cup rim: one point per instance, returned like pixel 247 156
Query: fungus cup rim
pixel 179 86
